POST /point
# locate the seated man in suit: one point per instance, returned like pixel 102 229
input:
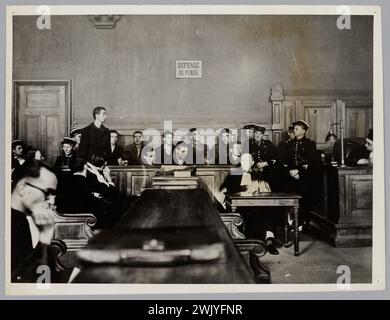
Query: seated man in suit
pixel 164 153
pixel 219 154
pixel 132 153
pixel 362 155
pixel 115 156
pixel 76 136
pixel 17 153
pixel 199 149
pixel 181 154
pixel 235 152
pixel 248 180
pixel 32 219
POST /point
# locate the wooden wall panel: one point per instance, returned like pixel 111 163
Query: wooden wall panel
pixel 358 120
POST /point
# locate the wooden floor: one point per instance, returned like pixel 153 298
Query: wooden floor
pixel 318 263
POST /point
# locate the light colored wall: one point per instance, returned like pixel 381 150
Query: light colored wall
pixel 132 67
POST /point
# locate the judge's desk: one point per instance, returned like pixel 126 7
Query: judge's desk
pixel 166 236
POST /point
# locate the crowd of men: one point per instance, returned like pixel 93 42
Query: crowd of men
pixel 83 182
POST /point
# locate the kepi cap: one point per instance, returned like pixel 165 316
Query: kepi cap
pixel 74 132
pixel 303 124
pixel 68 141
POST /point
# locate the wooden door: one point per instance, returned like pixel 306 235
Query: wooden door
pixel 42 115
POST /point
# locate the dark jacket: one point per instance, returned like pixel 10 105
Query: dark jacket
pixel 26 260
pixel 114 156
pixel 356 154
pixel 63 161
pixel 262 151
pixel 94 141
pixel 130 153
pixel 302 155
pixel 164 158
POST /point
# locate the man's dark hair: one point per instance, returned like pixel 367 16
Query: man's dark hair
pixel 166 133
pixel 135 132
pixel 193 129
pixel 97 110
pixel 98 160
pixel 17 143
pixel 78 165
pixel 32 169
pixel 114 131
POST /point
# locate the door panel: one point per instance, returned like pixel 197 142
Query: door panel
pixel 42 115
pixel 320 115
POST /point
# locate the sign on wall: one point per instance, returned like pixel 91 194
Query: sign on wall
pixel 188 69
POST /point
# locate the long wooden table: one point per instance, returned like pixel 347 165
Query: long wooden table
pixel 271 199
pixel 178 214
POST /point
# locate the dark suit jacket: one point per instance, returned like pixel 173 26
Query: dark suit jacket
pixel 162 157
pixel 94 141
pixel 114 156
pixel 21 242
pixel 63 161
pixel 130 154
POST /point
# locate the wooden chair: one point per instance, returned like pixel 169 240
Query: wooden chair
pixel 74 230
pixel 250 249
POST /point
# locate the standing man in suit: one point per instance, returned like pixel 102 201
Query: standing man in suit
pixel 132 153
pixel 115 156
pixel 32 217
pixel 95 138
pixel 302 163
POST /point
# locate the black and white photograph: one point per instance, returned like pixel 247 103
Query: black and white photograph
pixel 189 147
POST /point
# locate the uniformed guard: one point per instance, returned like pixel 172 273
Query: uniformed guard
pixel 283 145
pixel 302 162
pixel 264 155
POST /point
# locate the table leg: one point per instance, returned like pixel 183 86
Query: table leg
pixel 296 231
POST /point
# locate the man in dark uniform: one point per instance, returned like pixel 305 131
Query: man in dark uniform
pixel 283 145
pixel 302 163
pixel 264 156
pixel 95 138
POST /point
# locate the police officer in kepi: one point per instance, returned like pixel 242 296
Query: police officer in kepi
pixel 303 166
pixel 264 155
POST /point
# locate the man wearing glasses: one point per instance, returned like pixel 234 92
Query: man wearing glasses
pixel 32 212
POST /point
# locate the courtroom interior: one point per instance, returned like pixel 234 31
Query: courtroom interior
pixel 192 148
